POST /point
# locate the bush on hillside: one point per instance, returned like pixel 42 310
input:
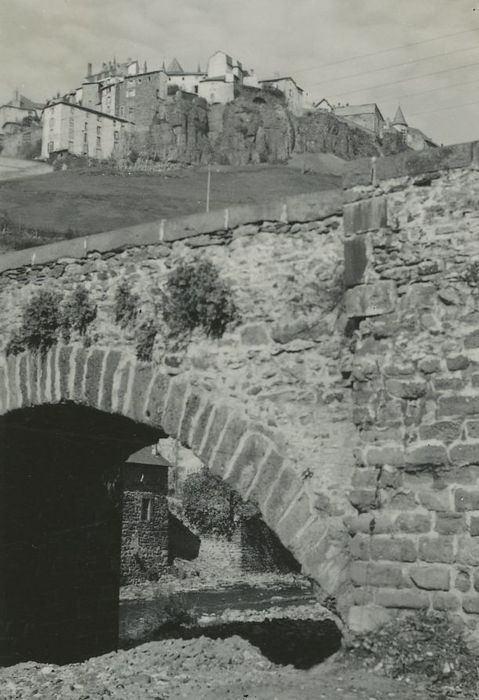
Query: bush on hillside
pixel 212 506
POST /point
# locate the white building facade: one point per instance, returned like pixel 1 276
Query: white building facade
pixel 82 131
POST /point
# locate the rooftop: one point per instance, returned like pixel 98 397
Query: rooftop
pixel 277 80
pixel 146 456
pixel 88 109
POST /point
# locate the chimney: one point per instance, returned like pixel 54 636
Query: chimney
pixel 89 70
pixel 17 96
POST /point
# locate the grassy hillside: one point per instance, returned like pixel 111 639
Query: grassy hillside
pixel 72 203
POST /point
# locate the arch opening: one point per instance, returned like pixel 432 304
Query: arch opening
pixel 60 530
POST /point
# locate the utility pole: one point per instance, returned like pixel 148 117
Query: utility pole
pixel 208 187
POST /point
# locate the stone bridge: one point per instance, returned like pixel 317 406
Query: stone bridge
pixel 345 403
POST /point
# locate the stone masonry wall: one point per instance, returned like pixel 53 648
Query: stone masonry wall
pixel 282 363
pixel 412 240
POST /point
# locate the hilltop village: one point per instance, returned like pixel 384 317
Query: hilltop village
pixel 223 113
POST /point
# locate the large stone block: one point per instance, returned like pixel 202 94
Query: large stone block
pixel 464 454
pixel 359 547
pixel 405 389
pixel 443 431
pixel 431 578
pixel 229 442
pixel 381 456
pixel 380 575
pixel 393 549
pixel 283 492
pixel 435 499
pixel 450 523
pixel 436 549
pixel 468 551
pixel 426 456
pixel 470 604
pixel 246 463
pixel 93 377
pixel 402 599
pixel 466 499
pixel 220 417
pixel 112 362
pixel 448 602
pixel 139 392
pixel 366 215
pixel 363 499
pixel 414 522
pixel 174 409
pixel 461 406
pixel 371 299
pixel 155 403
pixel 355 260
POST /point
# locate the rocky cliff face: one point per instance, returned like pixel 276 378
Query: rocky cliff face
pixel 258 130
pixel 254 128
pixel 322 132
pixel 178 133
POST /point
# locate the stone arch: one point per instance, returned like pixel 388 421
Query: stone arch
pixel 245 454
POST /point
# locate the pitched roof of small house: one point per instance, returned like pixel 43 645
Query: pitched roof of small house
pixel 146 456
pixel 399 119
pixel 175 68
pixel 23 103
pixel 278 80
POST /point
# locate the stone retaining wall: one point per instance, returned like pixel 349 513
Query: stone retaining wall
pixel 412 239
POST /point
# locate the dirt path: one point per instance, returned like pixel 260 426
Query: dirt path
pixel 13 168
pixel 199 669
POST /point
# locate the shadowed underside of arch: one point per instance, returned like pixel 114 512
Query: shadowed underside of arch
pixel 243 453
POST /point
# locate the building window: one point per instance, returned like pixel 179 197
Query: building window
pixel 98 142
pixel 146 509
pixel 116 135
pixel 50 147
pixel 122 111
pixel 98 130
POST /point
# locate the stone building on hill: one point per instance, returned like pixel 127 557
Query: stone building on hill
pixel 188 81
pixel 368 116
pixel 18 109
pixel 82 132
pixel 291 90
pixel 413 138
pixel 137 98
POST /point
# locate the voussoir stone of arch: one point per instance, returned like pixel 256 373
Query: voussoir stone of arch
pixel 247 455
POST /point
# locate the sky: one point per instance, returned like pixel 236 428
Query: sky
pixel 421 53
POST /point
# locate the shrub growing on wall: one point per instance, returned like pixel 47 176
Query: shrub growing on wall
pixel 41 321
pixel 77 313
pixel 198 298
pixel 211 506
pixel 145 341
pixel 126 305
